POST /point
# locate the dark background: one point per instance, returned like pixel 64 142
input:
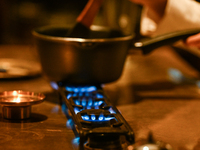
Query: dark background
pixel 19 17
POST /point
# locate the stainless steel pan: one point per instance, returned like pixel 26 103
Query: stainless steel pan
pixel 99 59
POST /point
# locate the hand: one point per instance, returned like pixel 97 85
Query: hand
pixel 157 6
pixel 193 41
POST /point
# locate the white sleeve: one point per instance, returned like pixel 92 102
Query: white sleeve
pixel 179 15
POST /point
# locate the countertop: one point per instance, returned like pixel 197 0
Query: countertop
pixel 146 95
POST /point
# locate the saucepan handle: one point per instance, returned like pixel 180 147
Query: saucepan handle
pixel 149 44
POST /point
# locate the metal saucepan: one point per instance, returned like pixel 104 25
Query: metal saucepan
pixel 96 60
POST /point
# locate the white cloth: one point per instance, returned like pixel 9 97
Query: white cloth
pixel 179 15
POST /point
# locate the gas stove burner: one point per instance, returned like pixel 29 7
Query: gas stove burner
pixel 87 104
pixel 87 98
pixel 97 117
pixel 101 142
pixel 17 104
pixel 84 92
pixel 94 119
pixel 81 89
pixel 80 104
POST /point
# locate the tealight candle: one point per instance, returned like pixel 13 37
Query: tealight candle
pixel 17 104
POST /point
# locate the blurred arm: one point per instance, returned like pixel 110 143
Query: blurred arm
pixel 193 41
pixel 177 15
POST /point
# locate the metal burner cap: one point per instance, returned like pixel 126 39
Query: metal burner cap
pixel 17 104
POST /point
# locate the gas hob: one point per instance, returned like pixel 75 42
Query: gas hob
pixel 94 120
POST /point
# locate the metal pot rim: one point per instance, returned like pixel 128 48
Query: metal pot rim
pixel 68 39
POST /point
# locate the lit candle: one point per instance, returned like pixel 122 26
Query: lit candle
pixel 14 93
pixel 16 99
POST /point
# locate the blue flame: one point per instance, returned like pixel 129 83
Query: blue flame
pixel 84 103
pixel 85 117
pixel 69 123
pixel 98 95
pixel 75 94
pixel 175 75
pixel 100 102
pixel 80 94
pixel 101 117
pixel 77 102
pixel 93 117
pixel 109 118
pixel 91 89
pixel 97 118
pixel 89 107
pixel 76 141
pixel 96 103
pixel 90 102
pixel 87 94
pixel 76 89
pixel 69 95
pixel 54 85
pixel 70 89
pixel 81 89
pixel 63 106
pixel 76 110
pixel 55 109
pixel 111 110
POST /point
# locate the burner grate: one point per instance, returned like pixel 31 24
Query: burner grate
pixel 92 116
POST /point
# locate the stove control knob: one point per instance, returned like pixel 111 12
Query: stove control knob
pixel 150 144
pixel 148 147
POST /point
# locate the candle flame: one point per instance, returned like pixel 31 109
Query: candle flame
pixel 145 148
pixel 16 99
pixel 15 93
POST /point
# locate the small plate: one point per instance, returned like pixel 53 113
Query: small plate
pixel 20 98
pixel 17 68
